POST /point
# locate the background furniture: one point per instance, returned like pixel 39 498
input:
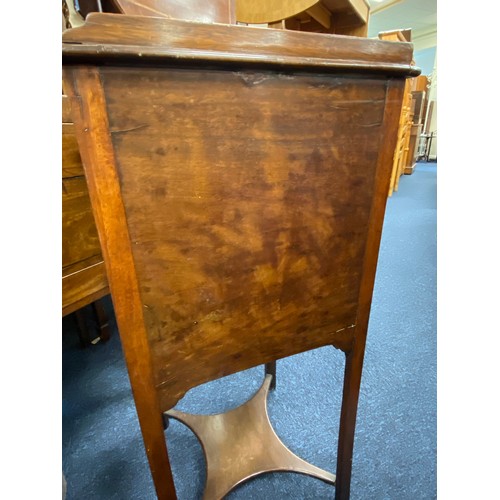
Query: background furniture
pixel 419 86
pixel 425 145
pixel 84 280
pixel 342 17
pixel 239 185
pixel 207 11
pixel 404 135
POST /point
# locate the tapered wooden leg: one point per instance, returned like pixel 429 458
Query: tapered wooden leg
pixel 271 370
pixel 352 381
pixel 153 435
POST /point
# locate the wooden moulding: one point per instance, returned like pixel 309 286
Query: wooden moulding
pixel 116 39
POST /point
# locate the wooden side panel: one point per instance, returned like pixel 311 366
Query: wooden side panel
pixel 248 199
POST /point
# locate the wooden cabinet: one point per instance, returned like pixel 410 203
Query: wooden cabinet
pixel 83 274
pixel 239 181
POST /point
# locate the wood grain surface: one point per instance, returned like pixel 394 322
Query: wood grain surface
pixel 247 221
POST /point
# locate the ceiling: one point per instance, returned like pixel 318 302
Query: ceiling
pixel 419 15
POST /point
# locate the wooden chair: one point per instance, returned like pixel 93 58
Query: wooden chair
pixel 238 180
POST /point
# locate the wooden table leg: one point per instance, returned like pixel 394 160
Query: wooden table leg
pixel 352 382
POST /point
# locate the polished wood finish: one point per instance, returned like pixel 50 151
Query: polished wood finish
pixel 238 179
pixel 116 40
pixel 232 444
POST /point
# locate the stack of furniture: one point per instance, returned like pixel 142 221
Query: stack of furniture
pixel 402 149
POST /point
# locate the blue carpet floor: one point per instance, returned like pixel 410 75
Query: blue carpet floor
pixel 395 444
